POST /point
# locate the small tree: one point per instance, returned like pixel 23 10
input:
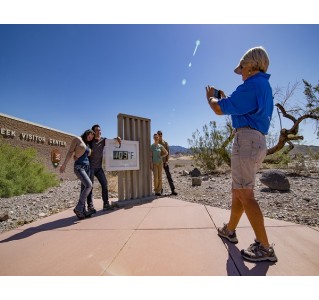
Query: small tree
pixel 211 149
pixel 296 114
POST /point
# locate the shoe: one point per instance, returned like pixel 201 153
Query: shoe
pixel 79 214
pixel 174 193
pixel 158 194
pixel 257 252
pixel 224 232
pixel 107 207
pixel 88 214
pixel 91 209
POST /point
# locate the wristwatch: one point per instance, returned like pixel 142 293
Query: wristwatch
pixel 210 99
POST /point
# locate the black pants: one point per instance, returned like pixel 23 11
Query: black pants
pixel 169 177
pixel 100 175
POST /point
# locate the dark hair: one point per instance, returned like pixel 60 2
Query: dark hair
pixel 85 135
pixel 94 126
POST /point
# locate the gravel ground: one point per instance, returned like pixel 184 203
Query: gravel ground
pixel 300 205
pixel 25 209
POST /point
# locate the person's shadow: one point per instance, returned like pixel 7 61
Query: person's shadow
pixel 61 223
pixel 235 259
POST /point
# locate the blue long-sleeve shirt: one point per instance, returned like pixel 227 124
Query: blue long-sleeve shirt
pixel 251 104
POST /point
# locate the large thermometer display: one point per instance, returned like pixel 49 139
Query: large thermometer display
pixel 121 157
pixel 123 154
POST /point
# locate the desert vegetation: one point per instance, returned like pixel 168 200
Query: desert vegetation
pixel 211 147
pixel 21 173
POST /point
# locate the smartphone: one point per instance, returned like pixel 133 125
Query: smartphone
pixel 217 94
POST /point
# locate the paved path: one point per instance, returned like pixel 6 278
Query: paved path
pixel 164 236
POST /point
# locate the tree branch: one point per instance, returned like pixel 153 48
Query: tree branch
pixel 287 135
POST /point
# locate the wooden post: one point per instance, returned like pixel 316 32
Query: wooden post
pixel 135 184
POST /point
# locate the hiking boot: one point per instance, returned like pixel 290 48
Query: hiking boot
pixel 158 194
pixel 107 207
pixel 88 214
pixel 79 214
pixel 91 209
pixel 224 232
pixel 257 252
pixel 174 193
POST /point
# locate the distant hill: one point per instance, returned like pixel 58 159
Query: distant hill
pixel 179 149
pixel 304 150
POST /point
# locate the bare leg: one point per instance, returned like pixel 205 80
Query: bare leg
pixel 236 212
pixel 254 214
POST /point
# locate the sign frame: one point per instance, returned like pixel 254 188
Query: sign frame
pixel 122 157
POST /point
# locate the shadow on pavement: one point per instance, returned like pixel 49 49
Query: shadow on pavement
pixel 57 224
pixel 43 227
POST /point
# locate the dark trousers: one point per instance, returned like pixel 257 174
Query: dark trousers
pixel 100 175
pixel 169 177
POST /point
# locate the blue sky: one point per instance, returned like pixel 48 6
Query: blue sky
pixel 70 77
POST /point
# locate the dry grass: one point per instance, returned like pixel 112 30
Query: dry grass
pixel 113 183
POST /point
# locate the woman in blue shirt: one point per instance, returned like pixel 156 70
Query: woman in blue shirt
pixel 250 107
pixel 80 150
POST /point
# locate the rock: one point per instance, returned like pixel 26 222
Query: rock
pixel 4 216
pixel 275 180
pixel 294 206
pixel 184 173
pixel 196 181
pixel 195 173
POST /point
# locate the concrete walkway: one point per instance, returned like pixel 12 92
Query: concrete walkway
pixel 163 236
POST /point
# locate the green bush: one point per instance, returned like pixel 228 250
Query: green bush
pixel 279 159
pixel 20 173
pixel 211 148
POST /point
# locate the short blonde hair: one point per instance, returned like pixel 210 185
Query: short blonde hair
pixel 256 57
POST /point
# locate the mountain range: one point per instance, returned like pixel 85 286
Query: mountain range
pixel 179 149
pixel 302 149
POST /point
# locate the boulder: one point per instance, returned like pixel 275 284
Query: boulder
pixel 196 181
pixel 195 173
pixel 4 216
pixel 275 180
pixel 205 178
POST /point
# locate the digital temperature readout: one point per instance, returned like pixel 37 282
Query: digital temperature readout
pixel 122 155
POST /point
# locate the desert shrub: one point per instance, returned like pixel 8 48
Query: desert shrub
pixel 21 173
pixel 179 165
pixel 211 148
pixel 304 163
pixel 279 159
